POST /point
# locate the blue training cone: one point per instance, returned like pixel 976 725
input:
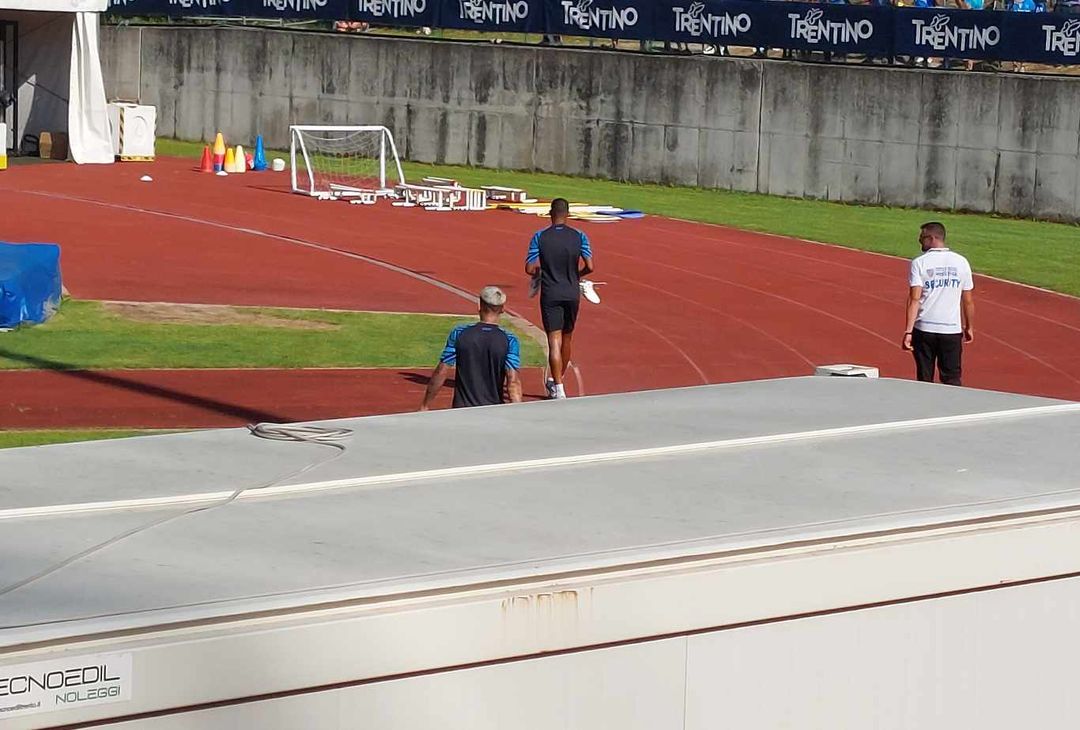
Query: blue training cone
pixel 259 162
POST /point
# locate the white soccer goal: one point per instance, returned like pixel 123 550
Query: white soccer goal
pixel 344 161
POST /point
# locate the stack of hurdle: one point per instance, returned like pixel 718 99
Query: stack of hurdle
pixel 441 194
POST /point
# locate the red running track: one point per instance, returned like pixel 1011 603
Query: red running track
pixel 685 303
pixel 45 399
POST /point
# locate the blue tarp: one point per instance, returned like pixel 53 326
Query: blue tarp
pixel 30 285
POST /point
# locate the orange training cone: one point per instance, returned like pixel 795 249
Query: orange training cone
pixel 207 164
pixel 239 160
pixel 230 161
pixel 219 153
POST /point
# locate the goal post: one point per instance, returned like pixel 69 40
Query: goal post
pixel 343 161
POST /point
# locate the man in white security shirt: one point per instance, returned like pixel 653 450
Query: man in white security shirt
pixel 940 307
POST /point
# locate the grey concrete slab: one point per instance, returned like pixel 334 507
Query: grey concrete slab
pixel 561 86
pixel 615 100
pixel 862 108
pixel 364 65
pixel 550 150
pixel 827 97
pixel 732 91
pixel 484 138
pixel 860 173
pixel 516 142
pixel 1060 132
pixel 824 168
pixel 898 179
pixel 1015 190
pixel 395 117
pixel 939 109
pixel 897 94
pixel 680 161
pixel 647 152
pixel 335 75
pixel 676 93
pixel 976 178
pixel 1055 186
pixel 785 101
pixel 614 151
pixel 1022 116
pixel 787 161
pixel 332 111
pixel 936 175
pixel 428 132
pixel 121 69
pixel 366 111
pixel 744 161
pixel 273 116
pixel 978 106
pixel 727 160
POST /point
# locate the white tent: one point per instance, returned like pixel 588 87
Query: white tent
pixel 51 80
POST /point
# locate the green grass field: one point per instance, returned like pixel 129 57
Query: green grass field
pixel 87 335
pixel 997 246
pixel 13 439
pixel 91 335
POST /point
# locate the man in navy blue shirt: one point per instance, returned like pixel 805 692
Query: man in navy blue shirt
pixel 559 255
pixel 486 356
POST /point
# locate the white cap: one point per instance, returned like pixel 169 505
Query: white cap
pixel 492 296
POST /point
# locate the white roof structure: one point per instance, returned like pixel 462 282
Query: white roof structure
pixel 58 84
pixel 423 507
pixel 500 493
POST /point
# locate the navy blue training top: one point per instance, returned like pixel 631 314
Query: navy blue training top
pixel 558 249
pixel 482 353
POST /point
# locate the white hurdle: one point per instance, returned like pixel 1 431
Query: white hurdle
pixel 443 197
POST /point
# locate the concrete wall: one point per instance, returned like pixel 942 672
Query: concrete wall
pixel 862 134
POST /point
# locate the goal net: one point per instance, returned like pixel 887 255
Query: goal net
pixel 344 161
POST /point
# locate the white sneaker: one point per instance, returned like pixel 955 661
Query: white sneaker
pixel 534 286
pixel 560 392
pixel 549 384
pixel 588 291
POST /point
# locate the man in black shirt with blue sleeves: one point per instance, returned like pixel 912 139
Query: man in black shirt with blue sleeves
pixel 559 255
pixel 486 356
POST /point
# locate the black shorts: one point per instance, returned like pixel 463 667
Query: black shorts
pixel 559 316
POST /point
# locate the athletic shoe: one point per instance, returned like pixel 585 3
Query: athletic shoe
pixel 549 384
pixel 560 392
pixel 589 291
pixel 534 286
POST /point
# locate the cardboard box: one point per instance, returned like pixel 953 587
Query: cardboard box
pixel 53 145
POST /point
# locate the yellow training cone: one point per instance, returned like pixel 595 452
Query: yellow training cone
pixel 240 160
pixel 219 153
pixel 230 160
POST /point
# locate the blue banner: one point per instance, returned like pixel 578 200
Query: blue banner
pixel 716 22
pixel 939 33
pixel 279 9
pixel 519 16
pixel 292 9
pixel 833 28
pixel 1042 38
pixel 396 12
pixel 171 8
pixel 622 19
